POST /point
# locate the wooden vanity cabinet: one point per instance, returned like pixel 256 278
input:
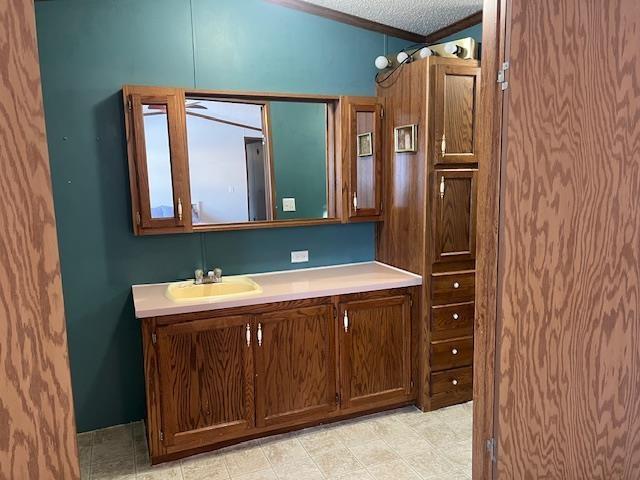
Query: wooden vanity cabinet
pixel 375 351
pixel 220 377
pixel 295 365
pixel 205 370
pixel 361 126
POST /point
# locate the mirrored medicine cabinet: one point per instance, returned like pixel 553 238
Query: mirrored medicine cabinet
pixel 219 160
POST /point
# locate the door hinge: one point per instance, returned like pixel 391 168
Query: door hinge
pixel 161 436
pixel 129 104
pixel 491 449
pixel 337 398
pixel 381 112
pixel 412 384
pixel 138 221
pixel 502 76
pixel 154 338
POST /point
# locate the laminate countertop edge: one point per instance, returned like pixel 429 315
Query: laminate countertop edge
pixel 150 300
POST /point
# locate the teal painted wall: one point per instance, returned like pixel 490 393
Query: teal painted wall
pixel 299 145
pixel 474 32
pixel 88 50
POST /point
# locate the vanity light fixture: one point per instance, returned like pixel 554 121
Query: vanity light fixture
pixel 403 57
pixel 425 52
pixel 453 49
pixel 382 62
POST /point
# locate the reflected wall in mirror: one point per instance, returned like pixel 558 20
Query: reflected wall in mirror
pixel 229 168
pixel 256 160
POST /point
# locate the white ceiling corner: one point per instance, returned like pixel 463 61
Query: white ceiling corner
pixel 417 16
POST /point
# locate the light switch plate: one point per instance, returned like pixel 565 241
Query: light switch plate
pixel 300 256
pixel 288 204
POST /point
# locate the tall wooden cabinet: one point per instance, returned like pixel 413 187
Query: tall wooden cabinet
pixel 429 221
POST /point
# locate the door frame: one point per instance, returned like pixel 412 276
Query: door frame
pixel 495 41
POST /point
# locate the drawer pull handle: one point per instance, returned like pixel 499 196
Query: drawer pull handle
pixel 456 285
pixel 455 382
pixel 456 316
pixel 454 351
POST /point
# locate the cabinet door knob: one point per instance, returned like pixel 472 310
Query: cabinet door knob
pixel 456 316
pixel 248 335
pixel 345 321
pixel 454 351
pixel 456 285
pixel 259 334
pixel 454 381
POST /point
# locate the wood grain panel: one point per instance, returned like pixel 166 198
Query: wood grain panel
pixel 454 221
pixel 37 427
pixel 375 339
pixel 455 123
pixel 206 383
pixel 458 119
pixel 569 266
pixel 401 238
pixel 295 365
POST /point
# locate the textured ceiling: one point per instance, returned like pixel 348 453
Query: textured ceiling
pixel 417 16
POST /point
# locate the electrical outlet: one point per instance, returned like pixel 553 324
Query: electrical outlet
pixel 288 204
pixel 300 256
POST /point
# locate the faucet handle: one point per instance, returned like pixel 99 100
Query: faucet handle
pixel 199 274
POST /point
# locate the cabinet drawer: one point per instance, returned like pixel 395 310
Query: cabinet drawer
pixel 453 288
pixel 451 380
pixel 451 387
pixel 451 353
pixel 452 321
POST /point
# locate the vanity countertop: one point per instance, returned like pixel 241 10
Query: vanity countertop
pixel 151 301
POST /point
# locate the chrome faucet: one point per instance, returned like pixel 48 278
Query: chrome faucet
pixel 213 276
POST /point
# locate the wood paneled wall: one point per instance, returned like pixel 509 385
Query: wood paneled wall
pixel 569 265
pixel 401 237
pixel 37 428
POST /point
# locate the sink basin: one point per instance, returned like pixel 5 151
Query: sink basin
pixel 229 287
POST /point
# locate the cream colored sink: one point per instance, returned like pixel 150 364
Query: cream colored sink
pixel 229 287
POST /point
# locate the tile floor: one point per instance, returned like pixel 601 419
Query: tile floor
pixel 403 444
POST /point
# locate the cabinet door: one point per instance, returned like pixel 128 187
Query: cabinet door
pixel 456 114
pixel 455 215
pixel 295 365
pixel 362 118
pixel 206 379
pixel 375 357
pixel 158 167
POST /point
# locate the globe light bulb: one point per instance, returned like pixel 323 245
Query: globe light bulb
pixel 382 62
pixel 425 52
pixel 402 57
pixel 451 48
